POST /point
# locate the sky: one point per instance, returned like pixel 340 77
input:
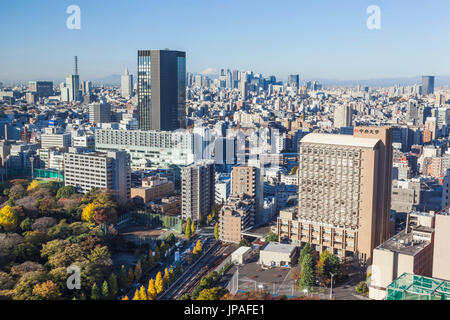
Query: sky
pixel 322 39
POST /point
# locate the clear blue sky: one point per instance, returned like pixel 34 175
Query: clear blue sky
pixel 315 38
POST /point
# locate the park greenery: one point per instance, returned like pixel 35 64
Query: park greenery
pixel 317 269
pixel 45 229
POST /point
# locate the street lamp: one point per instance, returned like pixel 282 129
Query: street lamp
pixel 331 292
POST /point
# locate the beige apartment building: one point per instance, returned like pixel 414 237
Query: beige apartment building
pixel 344 193
pixel 247 180
pixel 153 188
pixel 410 251
pixel 237 215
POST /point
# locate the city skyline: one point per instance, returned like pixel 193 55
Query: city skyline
pixel 300 43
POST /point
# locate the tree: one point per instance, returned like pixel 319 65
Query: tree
pixel 211 294
pixel 294 170
pixel 308 274
pixel 16 192
pixel 188 231
pixel 171 274
pixel 166 277
pixel 46 291
pixel 125 298
pixel 159 283
pixel 137 295
pixel 8 218
pixel 151 259
pixel 88 213
pixel 105 290
pixel 138 271
pixel 113 285
pixel 157 255
pixel 216 231
pixel 193 228
pixel 245 243
pixel 95 292
pixel 130 276
pixel 272 237
pixel 33 185
pixel 66 192
pixel 362 288
pixel 198 247
pixel 143 293
pixel 123 278
pixel 151 290
pixel 307 249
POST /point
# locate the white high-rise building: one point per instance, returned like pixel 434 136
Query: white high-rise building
pixel 127 85
pixel 343 116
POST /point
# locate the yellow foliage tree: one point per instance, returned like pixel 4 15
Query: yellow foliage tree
pixel 143 294
pixel 159 283
pixel 8 218
pixel 137 295
pixel 192 228
pixel 171 273
pixel 151 290
pixel 33 185
pixel 88 213
pixel 198 247
pixel 166 277
pixel 126 298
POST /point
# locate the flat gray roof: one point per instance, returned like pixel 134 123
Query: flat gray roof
pixel 279 247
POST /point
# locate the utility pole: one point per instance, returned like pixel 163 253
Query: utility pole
pixel 331 291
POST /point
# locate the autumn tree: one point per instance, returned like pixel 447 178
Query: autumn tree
pixel 188 230
pixel 47 291
pixel 9 218
pixel 130 276
pixel 33 185
pixel 193 228
pixel 88 213
pixel 166 277
pixel 143 293
pixel 216 231
pixel 159 283
pixel 151 290
pixel 138 271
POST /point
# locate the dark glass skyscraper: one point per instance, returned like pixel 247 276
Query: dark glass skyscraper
pixel 161 90
pixel 294 80
pixel 427 85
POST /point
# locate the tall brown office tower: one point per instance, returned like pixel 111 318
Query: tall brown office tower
pixel 385 171
pixel 344 193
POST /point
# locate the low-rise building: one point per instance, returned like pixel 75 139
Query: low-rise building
pixel 278 255
pixel 153 188
pixel 410 251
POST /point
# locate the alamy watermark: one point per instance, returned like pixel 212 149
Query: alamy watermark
pixel 74 280
pixel 74 20
pixel 374 20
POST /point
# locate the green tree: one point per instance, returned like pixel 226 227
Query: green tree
pixel 95 292
pixel 123 278
pixel 308 275
pixel 272 237
pixel 151 259
pixel 306 250
pixel 113 285
pixel 105 290
pixel 66 192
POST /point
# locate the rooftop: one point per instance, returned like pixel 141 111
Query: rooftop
pixel 403 243
pixel 340 140
pixel 279 247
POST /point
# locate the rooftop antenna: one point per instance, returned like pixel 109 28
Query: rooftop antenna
pixel 76 65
